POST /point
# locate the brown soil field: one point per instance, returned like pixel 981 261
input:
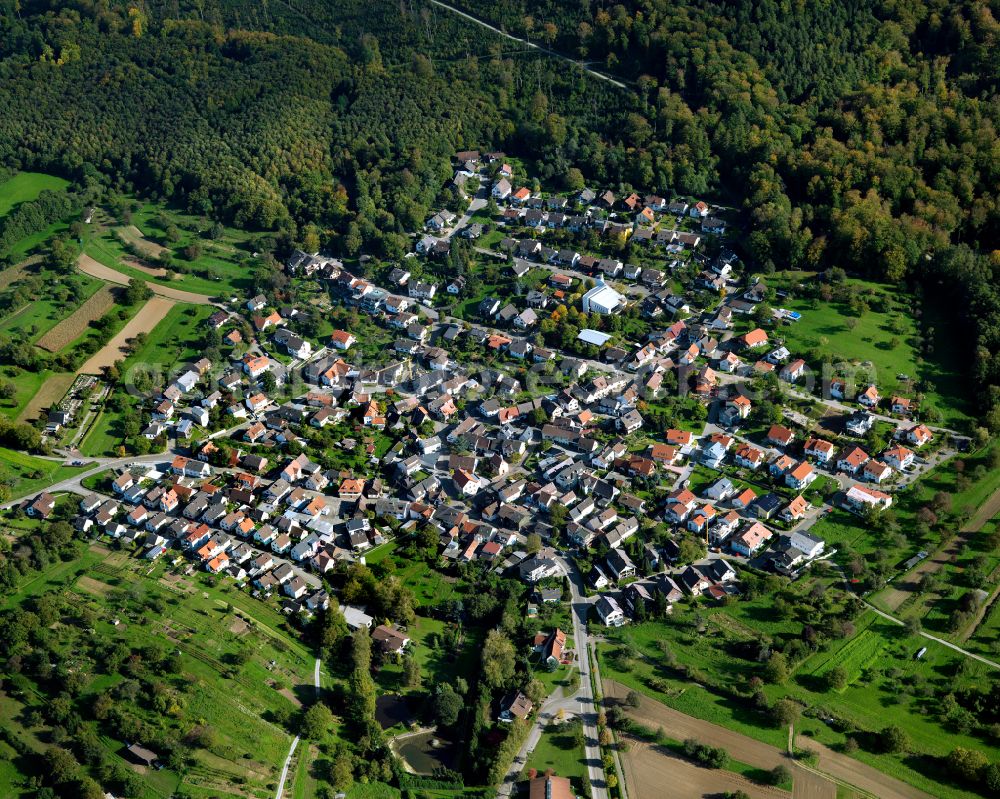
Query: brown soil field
pixel 74 325
pixel 148 317
pixel 680 726
pixel 96 269
pixel 133 236
pixel 649 768
pixel 49 394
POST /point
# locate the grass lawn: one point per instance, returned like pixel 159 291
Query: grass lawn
pixel 429 586
pixel 886 683
pixel 26 186
pixel 887 335
pixel 172 342
pixel 41 314
pixel 559 749
pixel 217 269
pixel 26 385
pixel 26 474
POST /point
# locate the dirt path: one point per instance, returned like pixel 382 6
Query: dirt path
pixel 96 269
pixel 74 325
pixel 148 317
pixel 679 726
pixel 648 768
pixel 902 590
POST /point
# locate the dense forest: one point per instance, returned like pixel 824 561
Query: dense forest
pixel 852 134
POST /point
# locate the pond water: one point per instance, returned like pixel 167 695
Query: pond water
pixel 391 710
pixel 425 752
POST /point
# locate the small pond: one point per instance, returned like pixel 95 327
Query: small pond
pixel 425 752
pixel 391 709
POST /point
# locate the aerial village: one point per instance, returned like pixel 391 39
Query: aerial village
pixel 526 450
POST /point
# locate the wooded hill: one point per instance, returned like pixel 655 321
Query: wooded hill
pixel 851 134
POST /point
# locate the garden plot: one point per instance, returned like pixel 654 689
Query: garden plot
pixel 75 325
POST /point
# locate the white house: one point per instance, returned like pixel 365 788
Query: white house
pixel 602 299
pixel 610 611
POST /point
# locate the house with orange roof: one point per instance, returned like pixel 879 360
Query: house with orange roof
pixel 876 472
pixel 898 457
pixel 820 449
pixel 860 498
pixel 869 397
pixel 801 476
pixel 748 456
pixel 901 405
pixel 262 323
pixel 255 432
pixel 168 501
pixel 918 435
pixel 744 499
pixel 679 438
pixel 351 489
pixel 852 459
pixel 218 563
pixel 342 340
pixel 793 371
pixel 739 407
pixel 663 453
pixel 316 507
pixel 780 436
pixel 255 366
pixel 795 509
pixel 257 402
pixel 753 340
pixel 781 465
pixel 679 505
pixel 699 520
pixel 749 541
pixel 521 195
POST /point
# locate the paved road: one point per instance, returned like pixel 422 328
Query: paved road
pixel 284 769
pixel 580 704
pixel 582 65
pixel 580 610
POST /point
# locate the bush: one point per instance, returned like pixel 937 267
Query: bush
pixel 704 755
pixel 779 775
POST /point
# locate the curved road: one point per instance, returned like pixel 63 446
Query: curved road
pixel 96 269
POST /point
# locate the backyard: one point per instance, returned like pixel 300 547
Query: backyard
pixel 888 334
